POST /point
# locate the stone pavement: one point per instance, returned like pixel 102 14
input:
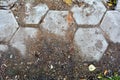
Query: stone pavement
pixel 90 27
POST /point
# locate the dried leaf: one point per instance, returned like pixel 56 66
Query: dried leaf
pixel 109 4
pixel 69 18
pixel 105 72
pixel 91 67
pixel 69 2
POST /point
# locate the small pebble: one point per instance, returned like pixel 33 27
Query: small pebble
pixel 16 77
pixel 68 56
pixel 11 56
pixel 109 73
pixel 51 66
pixel 21 63
pixel 64 79
pixel 29 63
pixel 4 65
pixel 16 17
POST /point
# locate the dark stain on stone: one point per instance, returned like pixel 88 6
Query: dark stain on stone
pixel 99 44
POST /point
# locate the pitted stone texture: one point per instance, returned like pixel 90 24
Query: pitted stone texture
pixel 59 23
pixel 8 25
pixel 6 4
pixel 111 26
pixel 90 43
pixel 35 14
pixel 19 41
pixel 90 13
pixel 3 48
pixel 118 5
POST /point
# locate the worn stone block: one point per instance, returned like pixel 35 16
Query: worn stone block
pixel 90 43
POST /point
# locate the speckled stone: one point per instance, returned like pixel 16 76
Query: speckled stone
pixel 8 25
pixel 90 43
pixel 90 13
pixel 111 26
pixel 35 14
pixel 59 23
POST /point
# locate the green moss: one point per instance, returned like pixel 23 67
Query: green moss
pixel 114 77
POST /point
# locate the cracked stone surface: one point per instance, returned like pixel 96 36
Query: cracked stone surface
pixel 90 13
pixel 111 26
pixel 35 14
pixel 6 4
pixel 21 38
pixel 59 23
pixel 8 25
pixel 90 43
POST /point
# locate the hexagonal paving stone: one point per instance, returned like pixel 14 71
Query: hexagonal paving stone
pixel 22 37
pixel 35 14
pixel 8 25
pixel 59 23
pixel 90 43
pixel 90 12
pixel 111 25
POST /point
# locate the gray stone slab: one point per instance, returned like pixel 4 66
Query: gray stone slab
pixel 22 37
pixel 35 14
pixel 90 13
pixel 90 43
pixel 118 5
pixel 111 26
pixel 59 23
pixel 8 25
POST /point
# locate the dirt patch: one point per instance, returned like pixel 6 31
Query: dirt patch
pixel 51 58
pixel 54 4
pixel 47 58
